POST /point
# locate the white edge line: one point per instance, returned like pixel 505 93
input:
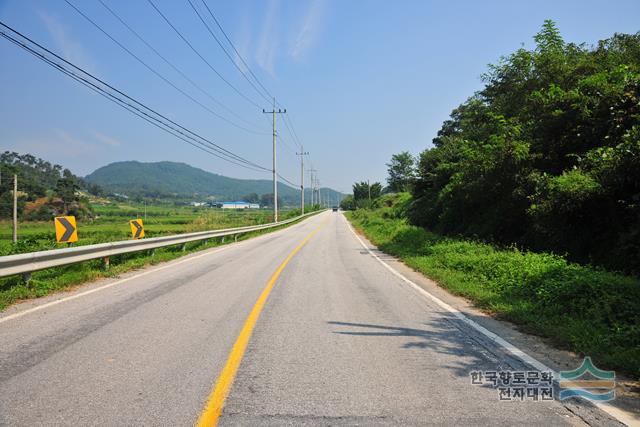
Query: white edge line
pixel 170 263
pixel 617 413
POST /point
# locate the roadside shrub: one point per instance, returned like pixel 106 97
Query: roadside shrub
pixel 579 307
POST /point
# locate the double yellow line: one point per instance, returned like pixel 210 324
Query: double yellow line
pixel 215 403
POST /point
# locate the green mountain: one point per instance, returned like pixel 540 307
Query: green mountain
pixel 171 180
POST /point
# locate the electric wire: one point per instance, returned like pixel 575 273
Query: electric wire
pixel 245 97
pixel 236 50
pixel 287 120
pixel 115 99
pixel 148 67
pixel 225 50
pixel 178 128
pixel 172 65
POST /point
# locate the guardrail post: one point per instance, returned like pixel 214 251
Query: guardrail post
pixel 183 247
pixel 105 263
pixel 152 252
pixel 26 278
pixel 235 237
pixel 222 241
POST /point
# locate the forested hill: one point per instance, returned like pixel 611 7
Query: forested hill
pixel 37 178
pixel 179 180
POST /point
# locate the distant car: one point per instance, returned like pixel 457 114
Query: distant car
pixel 335 209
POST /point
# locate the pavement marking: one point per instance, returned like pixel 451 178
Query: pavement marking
pixel 213 409
pixel 108 285
pixel 617 413
pixel 117 282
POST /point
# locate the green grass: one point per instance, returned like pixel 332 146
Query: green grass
pixel 112 224
pixel 580 308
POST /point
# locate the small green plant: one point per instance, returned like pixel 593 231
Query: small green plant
pixel 582 308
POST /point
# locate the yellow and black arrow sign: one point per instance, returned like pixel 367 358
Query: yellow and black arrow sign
pixel 137 228
pixel 66 231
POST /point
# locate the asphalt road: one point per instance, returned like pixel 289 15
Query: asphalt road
pixel 340 340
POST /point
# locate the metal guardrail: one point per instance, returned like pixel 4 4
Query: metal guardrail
pixel 26 263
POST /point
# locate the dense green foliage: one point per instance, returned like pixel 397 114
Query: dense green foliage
pixel 581 308
pixel 364 194
pixel 547 155
pixel 401 172
pixel 170 180
pixel 347 203
pixel 38 178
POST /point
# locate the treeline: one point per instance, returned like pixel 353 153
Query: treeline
pixel 39 179
pixel 546 156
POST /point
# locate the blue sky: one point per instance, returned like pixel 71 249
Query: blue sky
pixel 361 79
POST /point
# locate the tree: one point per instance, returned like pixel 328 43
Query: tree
pixel 401 172
pixel 347 203
pixel 364 194
pixel 267 200
pixel 66 188
pixel 546 155
pixel 252 198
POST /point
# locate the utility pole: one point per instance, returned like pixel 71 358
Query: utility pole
pixel 316 185
pixel 312 184
pixel 15 208
pixel 369 188
pixel 302 153
pixel 275 172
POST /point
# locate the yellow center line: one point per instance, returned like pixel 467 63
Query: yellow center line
pixel 215 403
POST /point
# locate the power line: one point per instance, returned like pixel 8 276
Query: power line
pixel 294 137
pixel 119 102
pixel 287 181
pixel 287 120
pixel 173 66
pixel 225 51
pixel 236 50
pixel 163 78
pixel 285 143
pixel 294 131
pixel 202 57
pixel 137 106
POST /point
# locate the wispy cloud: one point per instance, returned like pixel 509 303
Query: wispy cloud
pixel 58 145
pixel 309 29
pixel 268 42
pixel 106 139
pixel 243 43
pixel 71 50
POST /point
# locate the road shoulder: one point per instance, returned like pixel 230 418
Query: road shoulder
pixel 627 391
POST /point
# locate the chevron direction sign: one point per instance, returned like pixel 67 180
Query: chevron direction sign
pixel 137 228
pixel 66 230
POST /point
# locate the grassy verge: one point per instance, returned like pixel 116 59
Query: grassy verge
pixel 111 223
pixel 44 282
pixel 581 308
